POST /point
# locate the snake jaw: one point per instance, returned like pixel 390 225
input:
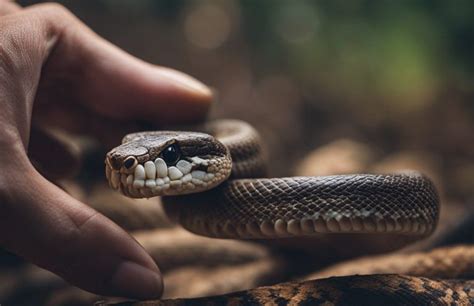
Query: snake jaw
pixel 155 178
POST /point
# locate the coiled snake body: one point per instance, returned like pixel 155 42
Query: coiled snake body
pixel 219 199
pixel 211 186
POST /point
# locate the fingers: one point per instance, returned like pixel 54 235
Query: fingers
pixel 8 7
pixel 46 145
pixel 55 231
pixel 37 219
pixel 112 82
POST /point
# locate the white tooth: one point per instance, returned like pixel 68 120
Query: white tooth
pixel 175 183
pixel 187 178
pixel 150 183
pixel 130 179
pixel 150 170
pixel 115 180
pixel 209 176
pixel 166 180
pixel 123 179
pixel 197 182
pixel 198 174
pixel 159 182
pixel 198 160
pixel 139 172
pixel 184 166
pixel 166 186
pixel 138 183
pixel 174 173
pixel 107 172
pixel 161 168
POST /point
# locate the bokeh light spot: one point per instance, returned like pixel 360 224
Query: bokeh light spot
pixel 207 26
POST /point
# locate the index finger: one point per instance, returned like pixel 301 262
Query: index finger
pixel 86 69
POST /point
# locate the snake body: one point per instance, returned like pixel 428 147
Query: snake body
pixel 379 289
pixel 230 203
pixel 213 183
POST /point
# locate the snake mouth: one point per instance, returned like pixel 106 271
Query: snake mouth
pixel 156 178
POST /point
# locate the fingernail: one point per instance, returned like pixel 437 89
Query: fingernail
pixel 186 81
pixel 134 281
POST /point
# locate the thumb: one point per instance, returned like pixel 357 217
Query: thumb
pixel 53 230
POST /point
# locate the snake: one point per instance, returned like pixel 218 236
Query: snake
pixel 378 289
pixel 213 181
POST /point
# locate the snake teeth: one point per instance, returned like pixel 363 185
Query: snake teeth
pixel 199 161
pixel 174 173
pixel 107 172
pixel 139 172
pixel 150 183
pixel 138 183
pixel 123 179
pixel 150 170
pixel 198 175
pixel 159 179
pixel 184 166
pixel 187 178
pixel 161 168
pixel 115 179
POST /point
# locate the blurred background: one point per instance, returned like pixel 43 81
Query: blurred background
pixel 333 86
pixel 395 75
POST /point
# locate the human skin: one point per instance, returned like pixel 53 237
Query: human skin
pixel 52 61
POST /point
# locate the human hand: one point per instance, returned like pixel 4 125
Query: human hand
pixel 49 59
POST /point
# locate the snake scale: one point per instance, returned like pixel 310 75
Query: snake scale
pixel 213 184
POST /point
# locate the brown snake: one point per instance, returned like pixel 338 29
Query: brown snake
pixel 209 186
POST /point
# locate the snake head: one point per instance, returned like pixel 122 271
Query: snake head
pixel 149 164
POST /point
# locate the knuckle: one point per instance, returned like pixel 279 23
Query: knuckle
pixel 8 8
pixel 70 244
pixel 55 18
pixel 72 238
pixel 54 10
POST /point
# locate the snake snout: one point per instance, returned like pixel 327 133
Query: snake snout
pixel 113 161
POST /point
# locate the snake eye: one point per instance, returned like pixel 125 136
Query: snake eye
pixel 171 154
pixel 130 162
